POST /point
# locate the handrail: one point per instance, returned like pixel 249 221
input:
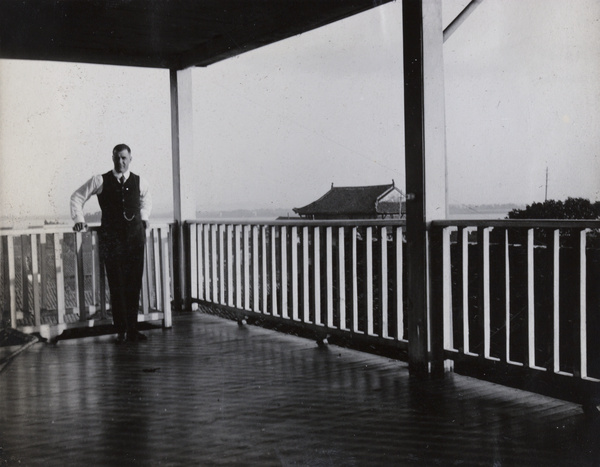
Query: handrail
pixel 510 223
pixel 303 222
pixel 62 228
pixel 519 223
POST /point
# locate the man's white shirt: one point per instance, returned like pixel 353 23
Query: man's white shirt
pixel 94 187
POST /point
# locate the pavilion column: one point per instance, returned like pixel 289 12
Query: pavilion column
pixel 184 178
pixel 426 185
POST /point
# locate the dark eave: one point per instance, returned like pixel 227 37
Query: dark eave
pixel 158 33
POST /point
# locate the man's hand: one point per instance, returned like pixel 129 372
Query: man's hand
pixel 146 225
pixel 79 226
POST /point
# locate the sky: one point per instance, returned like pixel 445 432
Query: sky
pixel 275 127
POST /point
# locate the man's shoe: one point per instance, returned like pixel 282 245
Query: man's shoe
pixel 136 336
pixel 120 338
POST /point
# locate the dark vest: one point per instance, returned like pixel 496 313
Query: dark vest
pixel 120 204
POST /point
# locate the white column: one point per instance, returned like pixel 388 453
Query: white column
pixel 184 174
pixel 436 173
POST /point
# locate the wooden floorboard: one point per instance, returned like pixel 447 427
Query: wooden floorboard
pixel 209 392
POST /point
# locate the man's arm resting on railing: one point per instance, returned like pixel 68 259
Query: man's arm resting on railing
pixel 78 199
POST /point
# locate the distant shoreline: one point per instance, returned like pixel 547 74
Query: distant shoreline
pixel 484 211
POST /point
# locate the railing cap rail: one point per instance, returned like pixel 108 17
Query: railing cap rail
pixel 304 222
pixel 520 223
pixel 52 229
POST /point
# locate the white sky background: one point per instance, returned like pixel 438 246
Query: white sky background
pixel 276 126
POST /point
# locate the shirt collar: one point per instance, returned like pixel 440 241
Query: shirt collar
pixel 118 175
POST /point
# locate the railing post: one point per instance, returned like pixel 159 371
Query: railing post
pixel 436 299
pixel 181 266
pixel 164 264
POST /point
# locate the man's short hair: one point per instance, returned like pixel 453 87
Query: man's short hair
pixel 121 147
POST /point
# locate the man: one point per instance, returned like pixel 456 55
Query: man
pixel 125 202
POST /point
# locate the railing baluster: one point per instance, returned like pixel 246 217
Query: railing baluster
pixel 164 261
pixel 254 268
pixel 169 233
pixel 79 277
pixel 24 276
pixel 507 293
pixel 35 281
pixel 214 276
pixel 238 266
pixel 193 259
pixel 486 293
pixel 246 248
pixel 329 275
pixel 306 274
pixel 583 303
pixel 465 289
pixel 206 256
pixel 222 260
pixel 157 261
pixel 229 242
pixel 294 247
pixel 200 259
pixel 284 273
pixel 447 290
pixel 60 277
pixel 369 246
pixel 94 265
pixel 265 282
pixel 255 264
pixel 43 272
pixel 354 281
pixel 342 278
pixel 274 310
pixel 146 281
pixel 383 284
pixel 317 275
pixel 530 328
pixel 399 285
pixel 555 355
pixel 12 277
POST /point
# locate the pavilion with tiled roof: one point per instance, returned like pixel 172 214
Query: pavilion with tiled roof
pixel 356 202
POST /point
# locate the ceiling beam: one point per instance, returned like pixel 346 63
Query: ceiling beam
pixel 461 18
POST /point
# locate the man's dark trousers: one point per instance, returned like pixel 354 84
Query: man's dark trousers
pixel 122 239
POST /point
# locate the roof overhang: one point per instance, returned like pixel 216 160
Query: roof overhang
pixel 158 33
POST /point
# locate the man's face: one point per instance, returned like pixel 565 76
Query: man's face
pixel 121 160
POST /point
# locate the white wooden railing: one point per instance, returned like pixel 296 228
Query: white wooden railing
pixel 51 279
pixel 504 296
pixel 521 296
pixel 341 277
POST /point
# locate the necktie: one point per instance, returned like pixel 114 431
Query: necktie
pixel 122 180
